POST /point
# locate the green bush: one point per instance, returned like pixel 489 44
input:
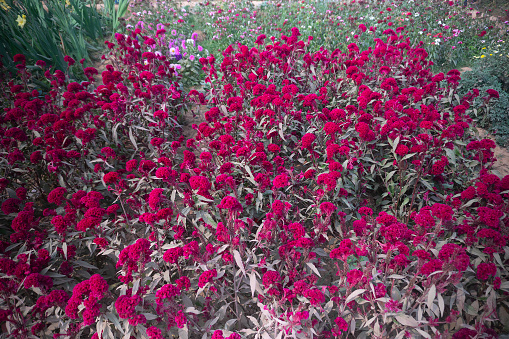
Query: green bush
pixel 497 119
pixel 49 31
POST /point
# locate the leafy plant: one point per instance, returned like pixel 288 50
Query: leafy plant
pixel 49 34
pixel 496 120
pixel 115 14
pixel 317 198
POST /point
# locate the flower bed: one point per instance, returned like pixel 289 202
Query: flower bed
pixel 327 193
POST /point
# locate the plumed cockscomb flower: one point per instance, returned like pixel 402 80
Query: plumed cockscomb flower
pixel 441 211
pixel 10 205
pixel 354 276
pixel 485 270
pixel 231 204
pixel 270 278
pixel 281 181
pixel 365 211
pixel 307 140
pixel 327 208
pixel 126 305
pixel 57 195
pixel 493 94
pixel 206 277
pixel 37 280
pixel 154 333
pixel 154 198
pixel 111 178
pixel 172 255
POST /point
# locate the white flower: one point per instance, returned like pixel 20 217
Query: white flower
pixel 416 15
pixel 437 41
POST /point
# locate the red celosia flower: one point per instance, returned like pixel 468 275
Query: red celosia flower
pixel 231 204
pixel 280 181
pixel 485 270
pixel 354 276
pixel 307 140
pixel 57 196
pixel 111 177
pixel 206 277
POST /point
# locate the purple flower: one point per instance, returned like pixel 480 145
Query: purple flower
pixel 200 48
pixel 174 32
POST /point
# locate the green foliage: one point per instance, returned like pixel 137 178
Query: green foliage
pixel 115 14
pixel 496 63
pixel 497 118
pixel 52 30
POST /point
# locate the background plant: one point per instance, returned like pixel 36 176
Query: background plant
pixel 52 30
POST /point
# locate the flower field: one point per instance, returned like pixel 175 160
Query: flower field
pixel 335 185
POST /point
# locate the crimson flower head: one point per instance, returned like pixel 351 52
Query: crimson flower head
pixel 19 58
pixel 327 207
pixel 231 204
pixel 280 181
pixel 492 93
pixel 70 61
pixel 111 177
pixel 307 140
pixel 259 40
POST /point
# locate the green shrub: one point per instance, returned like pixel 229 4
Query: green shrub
pixel 48 31
pixel 496 121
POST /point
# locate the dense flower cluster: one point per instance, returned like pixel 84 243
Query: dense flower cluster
pixel 355 162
